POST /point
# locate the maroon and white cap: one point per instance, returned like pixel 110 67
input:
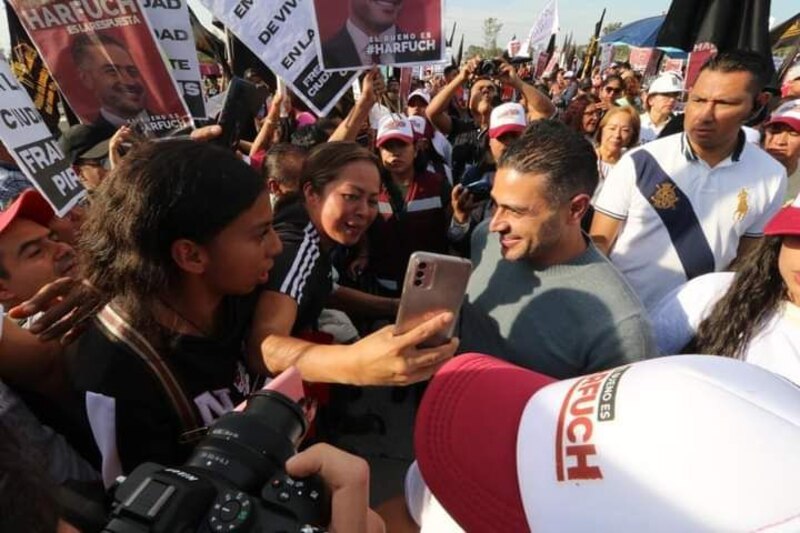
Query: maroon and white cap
pixel 506 118
pixel 790 118
pixel 786 221
pixel 659 445
pixel 394 127
pixel 422 94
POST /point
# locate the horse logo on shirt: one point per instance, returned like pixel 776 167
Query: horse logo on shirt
pixel 665 197
pixel 742 208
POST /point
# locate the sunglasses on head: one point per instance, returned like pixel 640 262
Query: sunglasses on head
pixel 610 89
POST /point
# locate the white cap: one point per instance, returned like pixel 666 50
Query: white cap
pixel 394 127
pixel 422 94
pixel 505 118
pixel 569 74
pixel 667 83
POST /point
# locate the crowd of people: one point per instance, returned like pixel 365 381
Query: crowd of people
pixel 609 220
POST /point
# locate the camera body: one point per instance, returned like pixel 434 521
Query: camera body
pixel 233 482
pixel 490 68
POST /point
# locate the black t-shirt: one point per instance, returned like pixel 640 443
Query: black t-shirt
pixel 126 410
pixel 469 147
pixel 303 271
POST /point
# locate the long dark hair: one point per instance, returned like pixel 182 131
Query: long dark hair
pixel 757 291
pixel 161 192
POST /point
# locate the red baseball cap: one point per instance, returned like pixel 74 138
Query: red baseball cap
pixel 31 205
pixel 790 118
pixel 786 221
pixel 655 445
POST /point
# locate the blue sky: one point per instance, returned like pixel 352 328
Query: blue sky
pixel 517 16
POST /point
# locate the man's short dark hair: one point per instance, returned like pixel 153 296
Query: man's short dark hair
pixel 82 43
pixel 449 69
pixel 550 148
pixel 274 164
pixel 740 61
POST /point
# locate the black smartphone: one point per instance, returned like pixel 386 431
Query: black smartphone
pixel 242 103
pixel 480 190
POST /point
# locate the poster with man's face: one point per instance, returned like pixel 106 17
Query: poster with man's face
pixel 106 62
pixel 356 34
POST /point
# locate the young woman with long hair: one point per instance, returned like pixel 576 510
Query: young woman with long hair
pixel 753 315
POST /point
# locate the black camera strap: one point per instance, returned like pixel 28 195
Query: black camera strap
pixel 117 328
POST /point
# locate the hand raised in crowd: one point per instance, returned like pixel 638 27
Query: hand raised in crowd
pixel 373 85
pixel 384 358
pixel 462 203
pixel 469 69
pixel 347 478
pixel 66 304
pixel 116 145
pixel 508 74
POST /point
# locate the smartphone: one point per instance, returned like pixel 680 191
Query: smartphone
pixel 242 103
pixel 434 283
pixel 480 190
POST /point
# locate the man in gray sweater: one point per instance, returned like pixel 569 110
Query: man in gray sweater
pixel 541 295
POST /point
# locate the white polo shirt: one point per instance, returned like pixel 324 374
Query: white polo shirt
pixel 683 218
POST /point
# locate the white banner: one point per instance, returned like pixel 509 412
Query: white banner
pixel 36 152
pixel 172 27
pixel 281 33
pixel 546 25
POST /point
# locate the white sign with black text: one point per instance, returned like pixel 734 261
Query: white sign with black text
pixel 27 139
pixel 282 34
pixel 172 27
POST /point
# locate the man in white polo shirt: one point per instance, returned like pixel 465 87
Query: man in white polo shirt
pixel 693 202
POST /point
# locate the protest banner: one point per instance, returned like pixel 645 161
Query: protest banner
pixel 546 25
pixel 30 143
pixel 644 60
pixel 606 56
pixel 281 33
pixel 513 47
pixel 106 62
pixel 702 52
pixel 551 65
pixel 29 69
pixel 402 32
pixel 172 28
pixel 673 65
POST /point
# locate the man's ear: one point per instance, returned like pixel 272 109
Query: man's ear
pixel 578 207
pixel 189 256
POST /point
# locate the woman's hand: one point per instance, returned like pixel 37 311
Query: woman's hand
pixel 384 358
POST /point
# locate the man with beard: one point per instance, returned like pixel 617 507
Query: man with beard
pixel 371 36
pixel 468 135
pixel 541 295
pixel 107 70
pixel 30 258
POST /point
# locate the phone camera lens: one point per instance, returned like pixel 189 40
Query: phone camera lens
pixel 420 273
pixel 423 265
pixel 417 282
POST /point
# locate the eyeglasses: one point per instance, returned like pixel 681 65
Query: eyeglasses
pixel 104 162
pixel 612 90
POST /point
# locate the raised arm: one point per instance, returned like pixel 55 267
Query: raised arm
pixel 348 129
pixel 437 109
pixel 538 105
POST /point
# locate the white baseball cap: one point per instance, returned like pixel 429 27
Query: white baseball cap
pixel 666 84
pixel 422 94
pixel 394 127
pixel 506 118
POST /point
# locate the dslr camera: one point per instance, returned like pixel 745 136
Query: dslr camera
pixel 490 68
pixel 234 480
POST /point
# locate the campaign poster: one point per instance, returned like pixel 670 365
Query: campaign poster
pixel 281 33
pixel 172 28
pixel 356 34
pixel 673 65
pixel 25 135
pixel 697 58
pixel 644 60
pixel 106 62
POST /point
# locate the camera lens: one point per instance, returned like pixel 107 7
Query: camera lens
pixel 423 265
pixel 247 448
pixel 417 283
pixel 420 273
